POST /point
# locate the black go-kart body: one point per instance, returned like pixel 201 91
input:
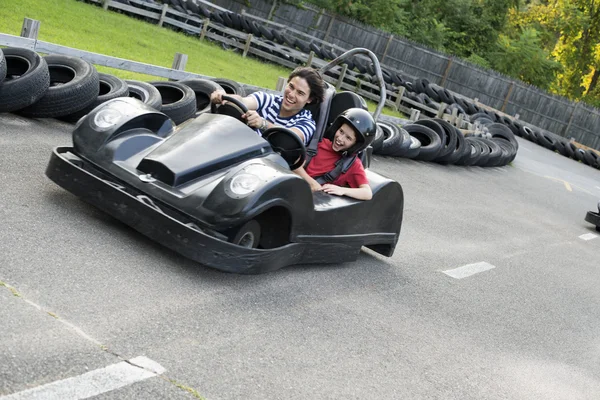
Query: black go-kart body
pixel 204 187
pixel 593 217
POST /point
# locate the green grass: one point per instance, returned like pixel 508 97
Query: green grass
pixel 88 27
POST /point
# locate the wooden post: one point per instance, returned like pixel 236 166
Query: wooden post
pixel 162 14
pixel 30 29
pixel 204 28
pixel 387 46
pixel 415 114
pixel 510 90
pixel 105 4
pixel 459 120
pixel 453 115
pixel 441 110
pixel 399 97
pixel 566 131
pixel 329 28
pixel 446 71
pixel 281 82
pixel 338 85
pixel 179 62
pixel 272 10
pixel 247 46
pixel 310 58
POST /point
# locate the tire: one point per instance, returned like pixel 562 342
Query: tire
pixel 495 155
pixel 440 131
pixel 501 131
pixel 430 141
pixel 277 36
pixel 110 87
pixel 485 153
pixel 266 33
pixel 146 93
pixel 591 158
pixel 508 152
pixel 74 85
pixel 449 140
pixel 414 148
pixel 202 89
pixel 302 45
pixel 378 141
pixel 420 85
pixel 26 80
pixel 178 100
pixel 317 50
pixel 477 150
pixel 230 87
pixel 479 115
pixel 459 149
pixel 2 66
pixel 578 155
pixel 237 21
pixel 547 141
pixel 248 235
pixel 392 139
pixel 527 133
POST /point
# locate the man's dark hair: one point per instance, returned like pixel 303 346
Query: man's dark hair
pixel 314 80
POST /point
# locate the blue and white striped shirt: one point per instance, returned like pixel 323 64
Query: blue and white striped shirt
pixel 268 108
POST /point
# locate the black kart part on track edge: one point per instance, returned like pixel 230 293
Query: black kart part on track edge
pixel 216 192
pixel 594 217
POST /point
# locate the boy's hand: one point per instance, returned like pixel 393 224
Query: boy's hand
pixel 334 189
pixel 314 185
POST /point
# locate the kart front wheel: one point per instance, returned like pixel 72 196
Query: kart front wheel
pixel 248 235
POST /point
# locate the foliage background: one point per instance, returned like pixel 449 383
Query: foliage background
pixel 554 45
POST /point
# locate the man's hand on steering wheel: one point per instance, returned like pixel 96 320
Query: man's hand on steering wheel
pixel 253 120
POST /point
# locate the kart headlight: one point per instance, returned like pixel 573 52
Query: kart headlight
pixel 106 119
pixel 113 112
pixel 248 180
pixel 244 184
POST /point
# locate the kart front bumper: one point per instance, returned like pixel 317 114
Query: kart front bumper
pixel 80 178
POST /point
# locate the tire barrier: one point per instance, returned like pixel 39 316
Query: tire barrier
pixel 68 88
pixel 439 141
pixel 283 44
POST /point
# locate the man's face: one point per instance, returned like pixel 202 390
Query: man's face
pixel 295 96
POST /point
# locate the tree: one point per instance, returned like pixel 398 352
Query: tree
pixel 524 58
pixel 575 28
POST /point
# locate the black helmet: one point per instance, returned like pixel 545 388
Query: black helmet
pixel 361 122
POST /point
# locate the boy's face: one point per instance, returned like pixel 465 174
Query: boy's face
pixel 344 138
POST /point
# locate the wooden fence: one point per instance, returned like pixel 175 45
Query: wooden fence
pixel 532 105
pixel 246 43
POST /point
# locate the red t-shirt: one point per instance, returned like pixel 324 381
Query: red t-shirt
pixel 325 161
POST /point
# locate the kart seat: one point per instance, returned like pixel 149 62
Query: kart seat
pixel 320 111
pixel 340 103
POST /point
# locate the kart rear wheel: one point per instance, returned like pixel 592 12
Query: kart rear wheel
pixel 248 235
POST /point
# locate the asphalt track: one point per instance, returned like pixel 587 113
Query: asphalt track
pixel 81 293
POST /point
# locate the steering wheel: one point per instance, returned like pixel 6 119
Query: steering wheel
pixel 234 108
pixel 287 144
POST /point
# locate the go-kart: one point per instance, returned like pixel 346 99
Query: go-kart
pixel 594 217
pixel 214 191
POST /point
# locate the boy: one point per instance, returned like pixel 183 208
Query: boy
pixel 353 131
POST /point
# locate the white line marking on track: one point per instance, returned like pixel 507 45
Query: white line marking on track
pixel 94 382
pixel 467 270
pixel 588 236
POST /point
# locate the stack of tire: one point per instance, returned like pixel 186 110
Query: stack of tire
pixel 431 95
pixel 68 88
pixel 548 140
pixel 439 141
